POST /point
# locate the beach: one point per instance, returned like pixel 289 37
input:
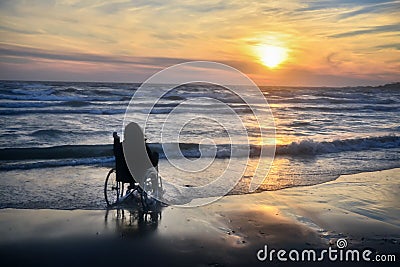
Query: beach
pixel 188 133
pixel 334 175
pixel 361 208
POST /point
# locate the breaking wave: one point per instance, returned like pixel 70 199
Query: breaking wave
pixel 95 154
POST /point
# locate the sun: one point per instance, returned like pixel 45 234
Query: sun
pixel 271 56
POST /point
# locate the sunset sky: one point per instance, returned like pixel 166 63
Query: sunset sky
pixel 323 43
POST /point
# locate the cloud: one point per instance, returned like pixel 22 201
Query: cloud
pixel 207 7
pixel 113 7
pixel 385 7
pixel 328 4
pixel 15 30
pixel 144 34
pixel 395 46
pixel 377 29
pixel 27 52
pixel 18 54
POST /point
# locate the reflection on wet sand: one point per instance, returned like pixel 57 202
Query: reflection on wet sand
pixel 131 221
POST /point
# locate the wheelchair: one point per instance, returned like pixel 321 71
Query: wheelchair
pixel 121 187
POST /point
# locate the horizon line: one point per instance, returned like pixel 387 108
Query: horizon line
pixel 131 82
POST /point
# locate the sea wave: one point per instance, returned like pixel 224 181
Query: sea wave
pixel 49 133
pixel 34 90
pixel 55 163
pixel 89 154
pixel 48 104
pixel 50 97
pixel 56 152
pixel 71 107
pixel 336 109
pixel 311 147
pixel 14 112
pixel 25 104
pixel 76 103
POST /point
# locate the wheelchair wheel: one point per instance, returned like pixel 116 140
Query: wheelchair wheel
pixel 150 192
pixel 112 188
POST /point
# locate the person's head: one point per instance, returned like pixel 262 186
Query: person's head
pixel 133 133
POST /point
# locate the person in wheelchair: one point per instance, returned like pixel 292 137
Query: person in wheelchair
pixel 137 165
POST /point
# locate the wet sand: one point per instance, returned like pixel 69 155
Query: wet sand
pixel 363 208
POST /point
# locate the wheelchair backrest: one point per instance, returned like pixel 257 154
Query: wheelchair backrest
pixel 123 173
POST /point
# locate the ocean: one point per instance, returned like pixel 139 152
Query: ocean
pixel 56 137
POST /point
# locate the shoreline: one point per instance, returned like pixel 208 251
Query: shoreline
pixel 362 208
